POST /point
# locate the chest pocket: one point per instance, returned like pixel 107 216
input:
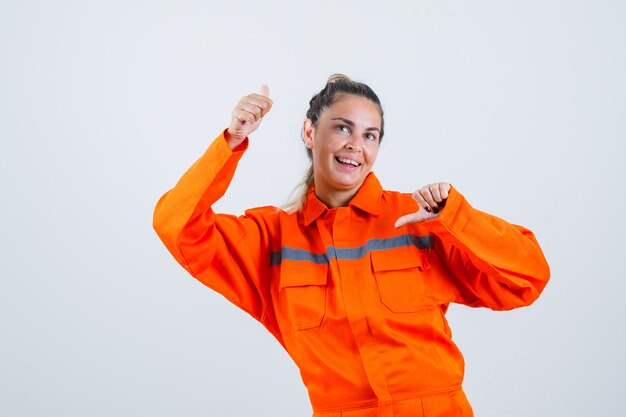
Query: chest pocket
pixel 303 287
pixel 402 278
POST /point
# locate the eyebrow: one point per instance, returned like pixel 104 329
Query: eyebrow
pixel 351 124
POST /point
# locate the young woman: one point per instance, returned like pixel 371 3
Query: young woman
pixel 352 280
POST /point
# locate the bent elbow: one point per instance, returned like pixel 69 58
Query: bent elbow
pixel 166 223
pixel 535 279
pixel 540 276
pixel 160 219
pixel 528 295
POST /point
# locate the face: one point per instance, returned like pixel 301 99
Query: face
pixel 344 145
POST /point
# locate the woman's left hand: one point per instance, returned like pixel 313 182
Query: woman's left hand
pixel 430 199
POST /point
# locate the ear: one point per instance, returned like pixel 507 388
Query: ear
pixel 308 133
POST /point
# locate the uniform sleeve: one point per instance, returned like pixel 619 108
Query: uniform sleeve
pixel 229 254
pixel 492 263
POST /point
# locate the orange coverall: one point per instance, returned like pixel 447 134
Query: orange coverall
pixel 358 304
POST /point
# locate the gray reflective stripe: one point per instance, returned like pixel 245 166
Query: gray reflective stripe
pixel 349 254
pixel 421 242
pixel 297 255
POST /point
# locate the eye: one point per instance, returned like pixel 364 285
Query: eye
pixel 343 128
pixel 371 136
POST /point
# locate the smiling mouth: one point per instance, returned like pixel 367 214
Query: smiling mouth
pixel 347 161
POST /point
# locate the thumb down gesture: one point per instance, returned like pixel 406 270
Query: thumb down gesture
pixel 430 199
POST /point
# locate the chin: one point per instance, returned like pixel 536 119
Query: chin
pixel 347 185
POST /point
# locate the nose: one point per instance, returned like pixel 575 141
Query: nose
pixel 354 143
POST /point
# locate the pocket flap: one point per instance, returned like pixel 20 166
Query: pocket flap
pixel 302 273
pixel 399 259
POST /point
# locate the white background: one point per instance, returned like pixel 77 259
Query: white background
pixel 103 105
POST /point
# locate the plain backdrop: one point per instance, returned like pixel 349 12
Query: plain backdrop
pixel 104 104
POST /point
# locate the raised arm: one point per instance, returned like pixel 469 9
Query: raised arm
pixel 228 253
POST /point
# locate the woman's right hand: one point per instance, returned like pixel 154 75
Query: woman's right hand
pixel 247 116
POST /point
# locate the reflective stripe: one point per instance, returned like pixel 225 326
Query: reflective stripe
pixel 297 255
pixel 421 242
pixel 350 254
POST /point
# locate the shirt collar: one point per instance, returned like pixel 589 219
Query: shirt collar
pixel 366 199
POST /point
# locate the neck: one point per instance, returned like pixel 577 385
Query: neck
pixel 334 198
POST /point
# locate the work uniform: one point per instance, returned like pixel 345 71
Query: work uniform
pixel 358 304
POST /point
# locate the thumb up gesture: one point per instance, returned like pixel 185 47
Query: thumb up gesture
pixel 247 116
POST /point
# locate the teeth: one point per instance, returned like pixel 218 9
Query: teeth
pixel 348 161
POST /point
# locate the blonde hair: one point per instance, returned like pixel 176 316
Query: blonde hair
pixel 336 84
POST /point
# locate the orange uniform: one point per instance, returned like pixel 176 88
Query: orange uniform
pixel 358 304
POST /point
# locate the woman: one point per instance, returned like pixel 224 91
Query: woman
pixel 354 281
